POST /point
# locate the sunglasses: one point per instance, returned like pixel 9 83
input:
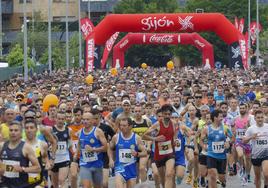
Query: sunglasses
pixel 198 97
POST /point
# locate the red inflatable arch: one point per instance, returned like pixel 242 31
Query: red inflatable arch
pixel 163 39
pixel 165 22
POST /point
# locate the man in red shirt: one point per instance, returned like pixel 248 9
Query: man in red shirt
pixel 162 133
pixel 50 120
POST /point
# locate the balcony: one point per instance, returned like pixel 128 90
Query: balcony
pixel 7 6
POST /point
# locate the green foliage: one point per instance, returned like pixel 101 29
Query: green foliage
pixel 15 58
pixel 74 49
pixel 264 42
pixel 58 55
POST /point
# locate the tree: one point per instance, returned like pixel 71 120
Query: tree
pixel 74 49
pixel 15 58
pixel 57 56
pixel 264 42
pixel 229 8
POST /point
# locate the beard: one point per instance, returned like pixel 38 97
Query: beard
pixel 176 105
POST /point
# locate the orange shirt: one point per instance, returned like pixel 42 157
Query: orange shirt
pixel 75 128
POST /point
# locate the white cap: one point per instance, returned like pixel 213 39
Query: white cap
pixel 126 101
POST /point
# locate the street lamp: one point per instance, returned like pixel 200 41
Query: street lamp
pixel 258 36
pixel 25 42
pixel 67 35
pixel 49 38
pixel 249 34
pixel 1 39
pixel 79 30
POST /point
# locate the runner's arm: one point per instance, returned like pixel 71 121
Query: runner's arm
pixel 29 153
pixel 51 139
pixel 101 137
pixel 142 151
pixel 148 133
pixel 112 148
pixel 203 136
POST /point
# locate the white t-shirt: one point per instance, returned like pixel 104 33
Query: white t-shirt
pixel 260 144
pixel 252 121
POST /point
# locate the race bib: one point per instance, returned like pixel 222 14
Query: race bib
pixel 165 148
pixel 9 169
pixel 218 147
pixel 240 133
pixel 89 156
pixel 61 147
pixel 75 144
pixel 263 143
pixel 178 145
pixel 125 156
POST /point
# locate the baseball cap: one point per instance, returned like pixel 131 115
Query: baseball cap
pixel 126 101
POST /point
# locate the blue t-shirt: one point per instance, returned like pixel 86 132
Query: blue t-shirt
pixel 116 112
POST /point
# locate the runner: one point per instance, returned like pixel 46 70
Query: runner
pixel 60 170
pixel 128 147
pixel 75 127
pixel 109 133
pixel 181 132
pixel 258 137
pixel 216 148
pixel 41 152
pixel 15 156
pixel 241 124
pixel 163 135
pixel 191 121
pixel 140 126
pixel 204 121
pixel 91 145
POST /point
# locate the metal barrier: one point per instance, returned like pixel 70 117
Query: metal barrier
pixel 9 72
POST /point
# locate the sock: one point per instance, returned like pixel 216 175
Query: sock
pixel 149 172
pixel 178 180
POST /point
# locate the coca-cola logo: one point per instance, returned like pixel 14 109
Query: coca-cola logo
pixel 123 44
pixel 155 23
pixel 202 45
pixel 167 39
pixel 110 42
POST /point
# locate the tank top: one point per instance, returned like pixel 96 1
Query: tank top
pixel 166 148
pixel 90 159
pixel 216 141
pixel 240 127
pixel 36 177
pixel 62 152
pixel 179 145
pixel 11 157
pixel 140 128
pixel 75 128
pixel 123 149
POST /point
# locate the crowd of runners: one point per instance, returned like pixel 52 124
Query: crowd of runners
pixel 168 126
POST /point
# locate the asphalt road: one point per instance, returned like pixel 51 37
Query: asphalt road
pixel 232 181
